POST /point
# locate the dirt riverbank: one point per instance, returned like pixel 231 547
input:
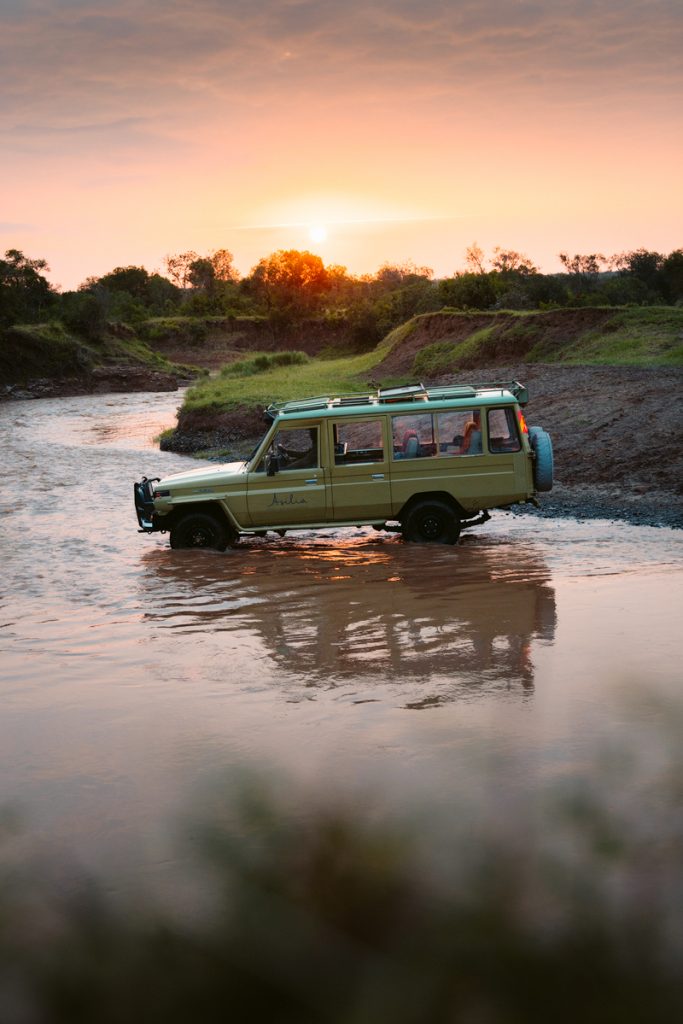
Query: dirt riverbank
pixel 617 435
pixel 100 380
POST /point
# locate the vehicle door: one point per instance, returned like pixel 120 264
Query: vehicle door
pixel 442 451
pixel 288 485
pixel 359 470
pixel 508 462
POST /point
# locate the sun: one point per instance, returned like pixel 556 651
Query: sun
pixel 317 233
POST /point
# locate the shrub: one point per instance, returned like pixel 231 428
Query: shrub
pixel 263 362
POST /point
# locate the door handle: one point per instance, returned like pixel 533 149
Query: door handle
pixel 313 480
pixel 378 476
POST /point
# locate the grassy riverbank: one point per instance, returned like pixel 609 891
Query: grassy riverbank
pixel 44 354
pixel 437 344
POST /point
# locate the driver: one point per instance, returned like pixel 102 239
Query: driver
pixel 298 459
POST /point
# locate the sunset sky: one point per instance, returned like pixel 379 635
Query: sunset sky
pixel 401 129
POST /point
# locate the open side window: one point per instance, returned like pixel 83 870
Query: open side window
pixel 291 448
pixel 503 432
pixel 358 441
pixel 459 432
pixel 413 436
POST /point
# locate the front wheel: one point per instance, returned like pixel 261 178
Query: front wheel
pixel 200 530
pixel 431 522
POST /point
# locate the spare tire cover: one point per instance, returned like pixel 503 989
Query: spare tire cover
pixel 543 463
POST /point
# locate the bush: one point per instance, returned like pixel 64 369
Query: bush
pixel 263 362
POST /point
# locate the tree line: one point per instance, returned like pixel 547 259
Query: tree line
pixel 290 287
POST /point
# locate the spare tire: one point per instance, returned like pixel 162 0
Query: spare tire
pixel 543 463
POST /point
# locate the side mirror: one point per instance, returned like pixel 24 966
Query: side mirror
pixel 272 465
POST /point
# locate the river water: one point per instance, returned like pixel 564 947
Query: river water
pixel 133 677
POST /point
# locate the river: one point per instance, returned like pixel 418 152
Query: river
pixel 133 678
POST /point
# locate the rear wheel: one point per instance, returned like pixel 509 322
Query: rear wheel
pixel 201 530
pixel 431 522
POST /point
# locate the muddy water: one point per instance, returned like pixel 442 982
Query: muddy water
pixel 133 677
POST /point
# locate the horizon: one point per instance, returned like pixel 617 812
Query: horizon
pixel 398 134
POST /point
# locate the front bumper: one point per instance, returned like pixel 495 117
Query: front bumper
pixel 144 504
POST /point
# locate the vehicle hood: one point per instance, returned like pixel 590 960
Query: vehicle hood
pixel 210 476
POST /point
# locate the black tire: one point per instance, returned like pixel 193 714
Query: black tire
pixel 543 463
pixel 431 522
pixel 200 530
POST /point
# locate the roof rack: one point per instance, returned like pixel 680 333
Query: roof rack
pixel 402 393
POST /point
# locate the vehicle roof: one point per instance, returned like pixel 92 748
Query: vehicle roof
pixel 408 398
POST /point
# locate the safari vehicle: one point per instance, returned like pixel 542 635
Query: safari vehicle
pixel 426 462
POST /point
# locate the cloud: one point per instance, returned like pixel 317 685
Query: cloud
pixel 8 227
pixel 171 56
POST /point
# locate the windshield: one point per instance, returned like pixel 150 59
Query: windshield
pixel 257 446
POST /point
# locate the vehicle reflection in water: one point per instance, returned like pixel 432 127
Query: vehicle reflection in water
pixel 459 622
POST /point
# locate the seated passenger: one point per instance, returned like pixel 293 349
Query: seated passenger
pixel 411 445
pixel 471 441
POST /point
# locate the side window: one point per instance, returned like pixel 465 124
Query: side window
pixel 357 441
pixel 503 434
pixel 413 436
pixel 296 448
pixel 460 432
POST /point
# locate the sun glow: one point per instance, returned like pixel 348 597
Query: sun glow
pixel 317 233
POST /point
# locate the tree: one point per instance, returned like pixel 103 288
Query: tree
pixel 645 265
pixel 289 282
pixel 127 293
pixel 474 259
pixel 223 269
pixel 25 294
pixel 468 291
pixel 393 275
pixel 582 265
pixel 584 271
pixel 672 276
pixel 132 280
pixel 178 267
pixel 507 261
pixel 202 274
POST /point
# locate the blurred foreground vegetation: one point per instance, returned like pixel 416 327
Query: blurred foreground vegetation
pixel 561 903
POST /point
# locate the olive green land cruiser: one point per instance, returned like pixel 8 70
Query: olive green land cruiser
pixel 427 462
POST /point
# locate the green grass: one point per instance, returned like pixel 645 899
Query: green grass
pixel 193 330
pixel 276 382
pixel 42 350
pixel 443 355
pixel 633 337
pixel 638 336
pixel 30 351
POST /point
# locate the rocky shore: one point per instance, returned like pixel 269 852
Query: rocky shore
pixel 100 380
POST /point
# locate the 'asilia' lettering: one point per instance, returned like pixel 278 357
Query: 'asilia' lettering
pixel 289 499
